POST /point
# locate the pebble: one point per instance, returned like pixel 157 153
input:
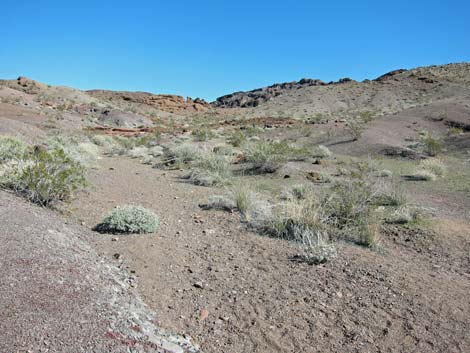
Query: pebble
pixel 198 284
pixel 203 314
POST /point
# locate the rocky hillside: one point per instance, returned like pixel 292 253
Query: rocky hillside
pixel 165 102
pixel 389 93
pixel 59 95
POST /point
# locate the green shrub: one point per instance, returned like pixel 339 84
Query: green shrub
pixel 237 139
pixel 355 129
pixel 321 151
pixel 223 150
pixel 81 151
pixel 431 145
pixel 129 219
pixel 103 140
pixel 44 177
pixel 11 148
pixel 203 134
pixel 267 157
pixel 348 202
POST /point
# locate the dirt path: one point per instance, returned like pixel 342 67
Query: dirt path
pixel 235 291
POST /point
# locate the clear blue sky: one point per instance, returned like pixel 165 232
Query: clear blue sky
pixel 209 48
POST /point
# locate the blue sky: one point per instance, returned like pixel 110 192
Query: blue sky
pixel 210 48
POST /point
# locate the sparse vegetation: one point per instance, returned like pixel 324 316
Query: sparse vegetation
pixel 237 138
pixel 243 198
pixel 267 157
pixel 129 219
pixel 432 146
pixel 211 170
pixel 435 166
pixel 203 134
pixel 43 176
pixel 321 151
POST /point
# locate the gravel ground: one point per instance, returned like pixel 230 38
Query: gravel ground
pixel 57 295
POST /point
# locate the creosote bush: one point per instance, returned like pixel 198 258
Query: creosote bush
pixel 431 145
pixel 129 219
pixel 11 148
pixel 43 176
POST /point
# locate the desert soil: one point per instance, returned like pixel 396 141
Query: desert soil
pixel 232 290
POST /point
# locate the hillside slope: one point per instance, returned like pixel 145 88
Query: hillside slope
pixel 390 93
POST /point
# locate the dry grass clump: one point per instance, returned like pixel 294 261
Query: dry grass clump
pixel 435 166
pixel 243 198
pixel 391 195
pixel 219 202
pixel 182 155
pixel 203 134
pixel 129 219
pixel 403 215
pixel 429 170
pixel 267 157
pixel 211 170
pixel 237 139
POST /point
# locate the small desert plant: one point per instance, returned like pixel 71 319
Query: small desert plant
pixel 223 150
pixel 321 151
pixel 129 219
pixel 355 129
pixel 237 139
pixel 77 148
pixel 384 173
pixel 203 134
pixel 402 215
pixel 267 157
pixel 102 140
pixel 301 191
pixel 435 166
pixel 392 195
pixel 243 198
pixel 369 230
pixel 431 145
pixel 422 175
pixel 211 170
pixel 219 202
pixel 138 152
pixel 44 177
pixel 11 148
pixel 182 155
pixel 315 249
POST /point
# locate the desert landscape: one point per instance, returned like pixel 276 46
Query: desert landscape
pixel 306 216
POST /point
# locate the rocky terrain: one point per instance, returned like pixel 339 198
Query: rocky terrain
pixel 221 273
pixel 390 93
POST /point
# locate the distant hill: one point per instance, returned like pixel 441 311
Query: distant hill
pixel 389 93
